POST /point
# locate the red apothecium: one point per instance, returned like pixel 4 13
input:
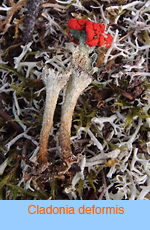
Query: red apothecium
pixel 95 35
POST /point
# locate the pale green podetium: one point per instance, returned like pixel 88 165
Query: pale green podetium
pixel 76 80
pixel 80 78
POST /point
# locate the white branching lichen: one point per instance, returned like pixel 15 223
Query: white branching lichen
pixel 118 135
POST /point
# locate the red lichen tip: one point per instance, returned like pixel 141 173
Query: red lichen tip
pixel 76 24
pixel 95 32
pixel 101 40
pixel 90 30
pixel 108 40
pixel 92 43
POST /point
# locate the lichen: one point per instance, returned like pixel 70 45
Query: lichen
pixel 110 133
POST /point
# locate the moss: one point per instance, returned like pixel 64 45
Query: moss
pixel 85 115
pixel 19 193
pixel 144 35
pixel 11 70
pixel 7 178
pixel 54 188
pixel 138 111
pixel 91 177
pixel 80 187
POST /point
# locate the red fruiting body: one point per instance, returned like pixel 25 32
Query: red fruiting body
pixel 108 40
pixel 95 32
pixel 76 24
pixel 82 22
pixel 89 30
pixel 92 43
pixel 101 40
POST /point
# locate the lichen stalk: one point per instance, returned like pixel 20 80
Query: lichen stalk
pixel 77 83
pixel 79 80
pixel 54 83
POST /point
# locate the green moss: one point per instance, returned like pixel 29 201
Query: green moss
pixel 25 89
pixel 97 133
pixel 101 86
pixel 54 188
pixel 85 115
pixel 144 35
pixel 120 105
pixel 138 111
pixel 80 187
pixel 17 191
pixel 6 179
pixel 2 122
pixel 9 69
pixel 91 177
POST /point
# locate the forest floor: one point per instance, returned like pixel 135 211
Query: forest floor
pixel 111 119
